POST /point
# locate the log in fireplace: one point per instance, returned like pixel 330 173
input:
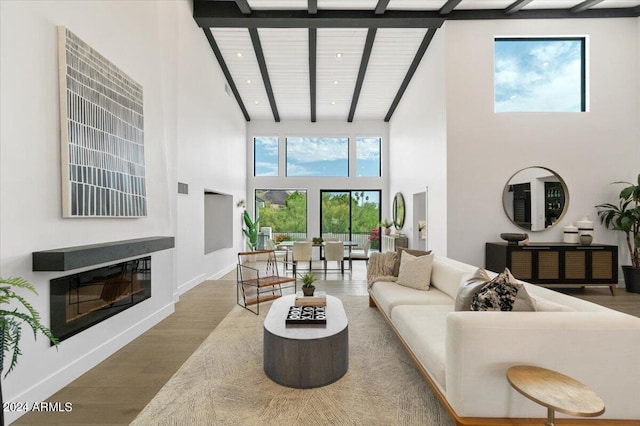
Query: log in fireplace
pixel 84 299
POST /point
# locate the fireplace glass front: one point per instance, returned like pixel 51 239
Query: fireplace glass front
pixel 82 300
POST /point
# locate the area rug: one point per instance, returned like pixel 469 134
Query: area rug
pixel 223 382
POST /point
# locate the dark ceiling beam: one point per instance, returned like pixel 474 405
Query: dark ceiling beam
pixel 225 71
pixel 244 7
pixel 211 14
pixel 516 6
pixel 381 7
pixel 479 14
pixel 412 69
pixel 313 34
pixel 312 6
pixel 257 47
pixel 585 5
pixel 448 7
pixel 364 62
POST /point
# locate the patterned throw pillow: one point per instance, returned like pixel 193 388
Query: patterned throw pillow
pixel 503 293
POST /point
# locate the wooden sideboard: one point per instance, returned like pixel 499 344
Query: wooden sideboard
pixel 556 264
pixel 392 242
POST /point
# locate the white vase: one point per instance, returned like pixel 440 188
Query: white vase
pixel 585 226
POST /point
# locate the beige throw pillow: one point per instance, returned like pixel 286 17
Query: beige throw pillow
pixel 469 286
pixel 415 271
pixel 400 250
pixel 503 293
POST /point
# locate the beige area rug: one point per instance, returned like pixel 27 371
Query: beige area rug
pixel 223 382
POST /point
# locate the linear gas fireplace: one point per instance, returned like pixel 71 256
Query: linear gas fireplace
pixel 82 300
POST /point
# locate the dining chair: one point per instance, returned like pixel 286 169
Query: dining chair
pixel 334 251
pixel 360 255
pixel 301 252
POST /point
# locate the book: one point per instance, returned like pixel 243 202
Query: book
pixel 318 299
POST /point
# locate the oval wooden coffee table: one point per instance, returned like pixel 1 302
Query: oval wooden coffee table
pixel 555 391
pixel 306 355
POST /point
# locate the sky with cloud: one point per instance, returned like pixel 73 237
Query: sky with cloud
pixel 538 75
pixel 317 156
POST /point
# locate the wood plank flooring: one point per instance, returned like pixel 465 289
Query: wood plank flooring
pixel 116 390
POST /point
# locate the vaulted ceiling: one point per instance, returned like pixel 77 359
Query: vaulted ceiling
pixel 347 59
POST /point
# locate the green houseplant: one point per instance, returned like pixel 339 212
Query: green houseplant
pixel 250 230
pixel 11 322
pixel 387 226
pixel 625 217
pixel 307 283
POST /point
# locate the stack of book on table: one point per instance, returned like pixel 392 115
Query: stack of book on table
pixel 319 298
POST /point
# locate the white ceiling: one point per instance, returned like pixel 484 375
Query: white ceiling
pixel 286 55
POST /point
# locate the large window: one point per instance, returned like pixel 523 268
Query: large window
pixel 351 216
pixel 318 157
pixel 284 211
pixel 265 151
pixel 368 157
pixel 539 74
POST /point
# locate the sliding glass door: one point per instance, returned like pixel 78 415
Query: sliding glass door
pixel 349 215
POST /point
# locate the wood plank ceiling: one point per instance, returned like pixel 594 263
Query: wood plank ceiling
pixel 347 59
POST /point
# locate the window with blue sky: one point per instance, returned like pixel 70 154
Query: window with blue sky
pixel 318 156
pixel 539 74
pixel 368 157
pixel 266 156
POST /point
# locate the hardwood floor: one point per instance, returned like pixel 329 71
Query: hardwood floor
pixel 116 390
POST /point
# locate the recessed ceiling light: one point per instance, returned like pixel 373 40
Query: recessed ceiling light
pixel 239 54
pixel 339 55
pixel 335 81
pixel 256 102
pixel 248 81
pixel 333 102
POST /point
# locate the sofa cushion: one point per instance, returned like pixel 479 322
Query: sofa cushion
pixel 469 287
pixel 388 295
pixel 503 293
pixel 399 251
pixel 424 328
pixel 546 305
pixel 447 274
pixel 415 271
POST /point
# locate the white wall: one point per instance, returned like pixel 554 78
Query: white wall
pixel 418 150
pixel 313 185
pixel 588 150
pixel 186 116
pixel 211 155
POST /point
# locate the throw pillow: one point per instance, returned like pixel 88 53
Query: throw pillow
pixel 469 286
pixel 503 293
pixel 415 271
pixel 399 251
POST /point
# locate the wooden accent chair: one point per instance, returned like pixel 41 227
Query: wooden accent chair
pixel 259 280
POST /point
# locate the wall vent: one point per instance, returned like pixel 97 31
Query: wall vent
pixel 183 188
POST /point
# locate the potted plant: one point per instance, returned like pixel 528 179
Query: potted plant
pixel 307 283
pixel 387 226
pixel 625 217
pixel 11 322
pixel 250 230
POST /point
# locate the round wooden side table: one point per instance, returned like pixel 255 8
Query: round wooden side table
pixel 555 391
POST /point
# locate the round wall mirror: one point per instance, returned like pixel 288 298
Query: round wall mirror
pixel 398 211
pixel 535 198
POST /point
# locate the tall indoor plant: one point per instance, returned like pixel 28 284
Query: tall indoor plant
pixel 625 217
pixel 250 230
pixel 11 322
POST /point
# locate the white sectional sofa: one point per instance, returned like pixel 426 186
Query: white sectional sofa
pixel 464 355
